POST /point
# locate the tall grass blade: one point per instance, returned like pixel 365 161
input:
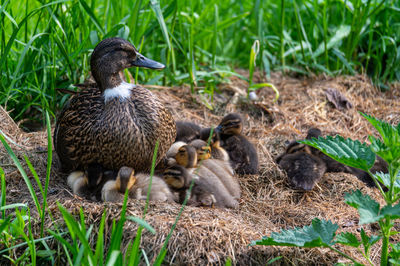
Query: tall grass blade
pixel 3 194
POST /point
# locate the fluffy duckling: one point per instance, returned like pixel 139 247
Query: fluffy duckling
pixel 114 190
pixel 303 170
pixel 334 166
pixel 187 157
pixel 242 153
pixel 137 185
pixel 78 182
pixel 108 120
pixel 220 168
pixel 187 131
pixel 179 179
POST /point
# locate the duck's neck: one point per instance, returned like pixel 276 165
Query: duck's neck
pixel 113 86
pixel 122 92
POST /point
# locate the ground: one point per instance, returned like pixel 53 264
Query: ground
pixel 268 203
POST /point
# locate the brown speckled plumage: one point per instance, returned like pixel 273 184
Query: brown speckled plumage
pixel 116 133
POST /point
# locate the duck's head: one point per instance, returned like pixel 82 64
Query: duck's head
pixel 175 176
pixel 231 124
pixel 113 55
pixel 313 133
pixel 125 179
pixel 202 148
pixel 186 156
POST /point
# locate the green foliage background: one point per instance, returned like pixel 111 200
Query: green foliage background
pixel 46 45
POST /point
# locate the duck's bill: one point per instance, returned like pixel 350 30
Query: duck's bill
pixel 142 61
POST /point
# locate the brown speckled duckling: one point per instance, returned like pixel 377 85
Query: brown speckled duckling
pixel 104 123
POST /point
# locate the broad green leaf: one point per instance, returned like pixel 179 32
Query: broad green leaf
pixel 348 239
pixel 319 234
pixel 392 212
pixel 346 151
pixel 367 207
pixel 390 136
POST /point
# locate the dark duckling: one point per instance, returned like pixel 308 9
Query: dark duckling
pixel 242 153
pixel 103 124
pixel 334 166
pixel 304 170
pixel 187 131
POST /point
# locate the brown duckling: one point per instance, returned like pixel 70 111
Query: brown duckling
pixel 179 179
pixel 334 166
pixel 187 131
pixel 137 185
pixel 304 170
pixel 187 157
pixel 220 168
pixel 114 190
pixel 242 153
pixel 104 122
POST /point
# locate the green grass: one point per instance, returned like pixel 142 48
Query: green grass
pixel 46 45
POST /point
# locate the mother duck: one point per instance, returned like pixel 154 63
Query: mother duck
pixel 113 123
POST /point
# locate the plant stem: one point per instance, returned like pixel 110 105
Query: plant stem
pixel 344 255
pixel 377 185
pixel 385 242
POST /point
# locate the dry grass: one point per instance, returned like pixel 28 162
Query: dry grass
pixel 210 236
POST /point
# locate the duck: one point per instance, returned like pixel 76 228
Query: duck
pixel 220 167
pixel 106 121
pixel 113 190
pixel 179 180
pixel 242 153
pixel 207 180
pixel 187 131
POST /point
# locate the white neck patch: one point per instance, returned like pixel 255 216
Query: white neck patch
pixel 122 91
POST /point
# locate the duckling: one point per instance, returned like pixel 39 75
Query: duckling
pixel 303 170
pixel 220 168
pixel 242 153
pixel 78 182
pixel 114 190
pixel 334 166
pixel 179 179
pixel 105 122
pixel 187 157
pixel 187 131
pixel 137 185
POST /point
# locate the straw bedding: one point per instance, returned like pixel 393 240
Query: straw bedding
pixel 210 236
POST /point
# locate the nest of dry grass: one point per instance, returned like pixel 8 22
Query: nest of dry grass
pixel 210 236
